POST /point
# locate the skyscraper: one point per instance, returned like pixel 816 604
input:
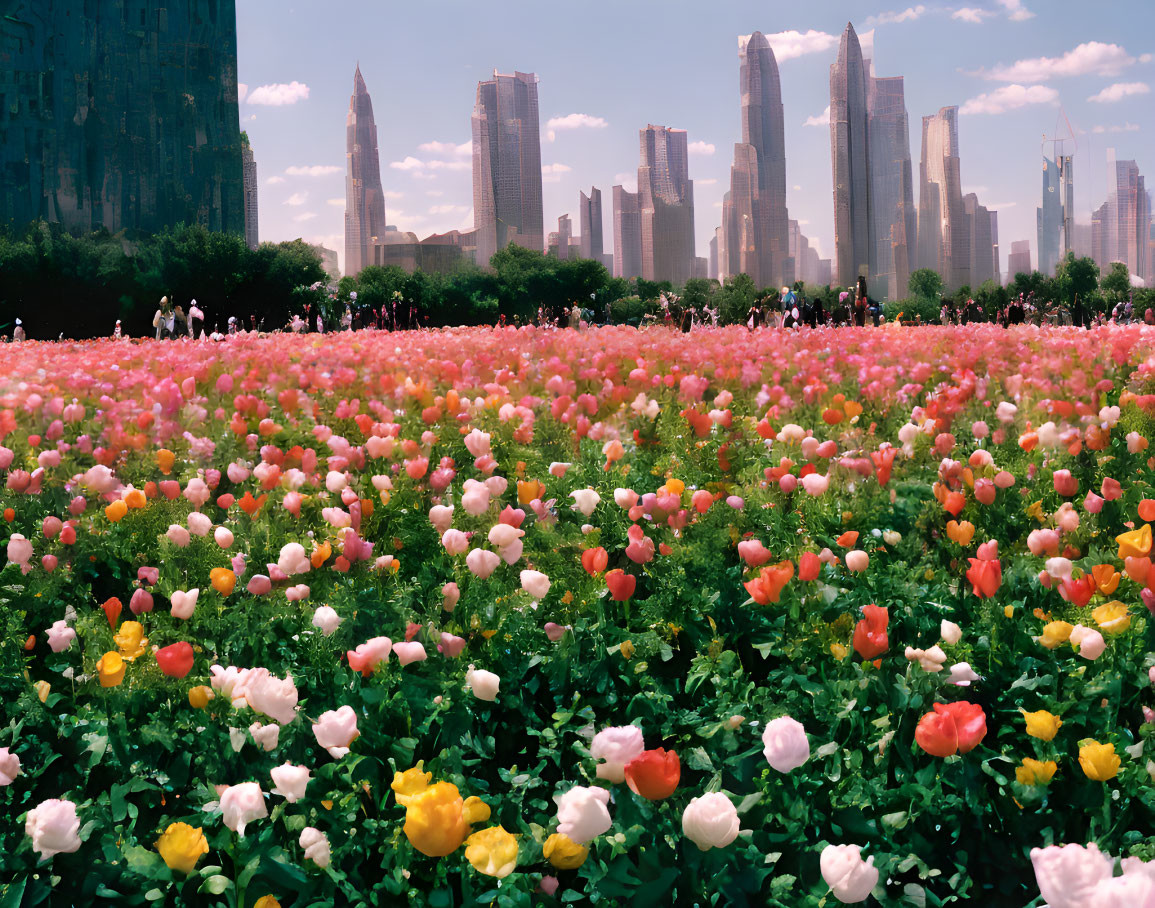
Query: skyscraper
pixel 754 218
pixel 943 234
pixel 364 197
pixel 590 219
pixel 1049 219
pixel 666 205
pixel 564 233
pixel 894 219
pixel 981 247
pixel 850 160
pixel 1126 222
pixel 249 173
pixel 1019 260
pixel 120 115
pixel 627 234
pixel 507 165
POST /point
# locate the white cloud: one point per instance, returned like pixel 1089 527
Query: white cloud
pixel 708 182
pixel 462 150
pixel 448 209
pixel 316 170
pixel 628 181
pixel 1009 97
pixel 1126 127
pixel 790 44
pixel 576 121
pixel 1091 58
pixel 242 92
pixel 336 203
pixel 888 18
pixel 971 14
pixel 1119 91
pixel 798 189
pixel 822 119
pixel 410 163
pixel 297 198
pixel 1016 12
pixel 252 117
pixel 304 216
pixel 278 94
pixel 555 168
pixel 273 181
pixel 702 148
pixel 449 165
pixel 390 194
pixel 416 164
pixel 1146 58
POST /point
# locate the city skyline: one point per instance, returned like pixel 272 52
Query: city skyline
pixel 1065 53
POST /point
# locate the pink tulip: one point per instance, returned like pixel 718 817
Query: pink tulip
pixel 753 552
pixel 1092 504
pixel 451 646
pixel 51 527
pixel 297 593
pixel 482 563
pixel 815 484
pixel 450 595
pixel 409 652
pixel 555 631
pixel 455 542
pixel 259 585
pixel 1004 480
pixel 49 563
pixel 857 561
pixel 988 551
pixel 140 602
pixel 1065 484
pixel 1111 490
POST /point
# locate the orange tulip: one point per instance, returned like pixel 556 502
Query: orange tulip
pixel 955 502
pixel 961 533
pixel 164 460
pixel 1136 543
pixel 116 511
pixel 768 585
pixel 1106 578
pixel 847 539
pixel 135 500
pixel 1147 509
pixel 530 490
pixel 223 580
pixel 320 554
pixel 251 505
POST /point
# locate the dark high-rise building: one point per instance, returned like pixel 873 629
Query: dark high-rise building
pixel 894 219
pixel 627 234
pixel 364 196
pixel 120 114
pixel 564 235
pixel 1049 219
pixel 590 219
pixel 249 174
pixel 507 204
pixel 666 205
pixel 943 234
pixel 982 250
pixel 755 238
pixel 1126 222
pixel 850 159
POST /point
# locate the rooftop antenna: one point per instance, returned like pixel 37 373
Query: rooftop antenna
pixel 1065 163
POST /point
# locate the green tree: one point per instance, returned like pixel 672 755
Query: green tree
pixel 735 298
pixel 698 293
pixel 1076 277
pixel 1116 283
pixel 925 283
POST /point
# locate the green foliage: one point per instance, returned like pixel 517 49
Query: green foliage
pixel 925 283
pixel 1116 283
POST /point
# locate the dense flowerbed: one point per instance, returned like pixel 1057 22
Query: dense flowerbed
pixel 614 617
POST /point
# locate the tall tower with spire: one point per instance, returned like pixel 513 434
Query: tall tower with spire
pixel 755 231
pixel 364 197
pixel 850 159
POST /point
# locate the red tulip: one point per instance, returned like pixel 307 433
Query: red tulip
pixel 621 584
pixel 984 577
pixel 883 463
pixel 654 774
pixel 1078 592
pixel 951 728
pixel 175 660
pixel 870 639
pixel 112 609
pixel 808 566
pixel 768 585
pixel 595 560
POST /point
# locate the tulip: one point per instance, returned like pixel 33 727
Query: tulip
pixel 654 774
pixel 335 730
pixel 582 813
pixel 482 563
pixel 60 636
pixel 809 566
pixel 870 638
pixel 326 619
pixel 950 632
pixel 483 684
pixel 563 852
pixel 110 669
pixel 767 587
pixel 316 846
pixel 984 577
pixel 594 560
pixel 181 846
pixel 409 651
pixel 451 646
pixel 931 660
pixel 410 783
pixel 366 657
pixel 53 827
pixel 265 736
pixel 1089 642
pixel 272 696
pixel 621 585
pixel 753 552
pixel 786 746
pixel 492 851
pixel 535 583
pixel 9 767
pixel 1135 544
pixel 199 696
pixel 1098 761
pixel 961 675
pixel 450 595
pixel 436 821
pixel 1055 633
pixel 1071 875
pixel 176 659
pixel 1035 772
pixel 290 781
pixel 184 603
pixel 1112 617
pixel 951 728
pixel 857 561
pixel 710 821
pixel 241 804
pixel 178 536
pixel 849 877
pixel 199 524
pixel 222 580
pixel 1042 724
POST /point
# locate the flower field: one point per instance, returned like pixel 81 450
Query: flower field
pixel 548 617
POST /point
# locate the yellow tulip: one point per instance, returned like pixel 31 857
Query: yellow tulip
pixel 434 822
pixel 116 511
pixel 1099 761
pixel 111 669
pixel 267 901
pixel 181 846
pixel 131 640
pixel 492 851
pixel 199 696
pixel 838 651
pixel 43 689
pixel 475 810
pixel 1112 617
pixel 1035 772
pixel 563 852
pixel 410 783
pixel 1042 724
pixel 1135 544
pixel 1055 634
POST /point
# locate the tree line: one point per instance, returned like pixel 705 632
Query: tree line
pixel 78 286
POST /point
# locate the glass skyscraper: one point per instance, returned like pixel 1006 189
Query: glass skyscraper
pixel 364 197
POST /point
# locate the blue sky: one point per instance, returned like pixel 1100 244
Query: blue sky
pixel 607 69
